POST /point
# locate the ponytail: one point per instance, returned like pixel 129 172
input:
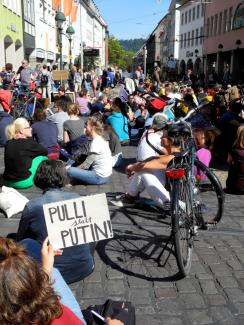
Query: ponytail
pixel 13 128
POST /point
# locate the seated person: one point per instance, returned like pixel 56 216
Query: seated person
pixel 235 179
pixel 97 167
pixel 22 155
pixel 74 126
pixel 76 262
pixel 60 116
pixel 99 105
pixel 148 175
pixel 5 120
pixel 83 101
pixel 114 145
pixel 45 132
pixel 119 121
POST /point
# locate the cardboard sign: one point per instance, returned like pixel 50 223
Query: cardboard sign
pixel 78 221
pixel 60 75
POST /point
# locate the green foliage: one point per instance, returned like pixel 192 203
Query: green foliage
pixel 132 45
pixel 118 56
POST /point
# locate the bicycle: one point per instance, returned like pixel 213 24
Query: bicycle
pixel 187 211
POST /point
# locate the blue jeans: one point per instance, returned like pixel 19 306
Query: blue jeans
pixel 86 176
pixel 59 285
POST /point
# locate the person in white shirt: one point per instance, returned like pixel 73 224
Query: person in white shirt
pixel 97 167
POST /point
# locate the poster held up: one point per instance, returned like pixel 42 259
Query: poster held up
pixel 78 221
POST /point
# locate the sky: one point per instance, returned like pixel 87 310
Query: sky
pixel 128 19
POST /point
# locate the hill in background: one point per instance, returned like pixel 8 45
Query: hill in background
pixel 132 45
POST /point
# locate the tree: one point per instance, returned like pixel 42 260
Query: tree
pixel 118 56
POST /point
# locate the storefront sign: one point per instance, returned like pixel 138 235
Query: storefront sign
pixel 238 20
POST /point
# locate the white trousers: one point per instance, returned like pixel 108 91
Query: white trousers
pixel 153 182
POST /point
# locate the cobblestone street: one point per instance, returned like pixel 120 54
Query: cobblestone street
pixel 126 267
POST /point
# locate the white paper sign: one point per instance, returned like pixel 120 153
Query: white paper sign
pixel 78 221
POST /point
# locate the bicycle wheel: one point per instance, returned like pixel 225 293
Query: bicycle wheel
pixel 210 194
pixel 182 224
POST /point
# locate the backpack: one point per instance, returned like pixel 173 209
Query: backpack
pixel 88 77
pixel 44 79
pixel 121 310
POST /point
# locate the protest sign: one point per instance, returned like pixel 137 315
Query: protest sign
pixel 78 221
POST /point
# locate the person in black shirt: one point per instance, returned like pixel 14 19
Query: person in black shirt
pixel 22 155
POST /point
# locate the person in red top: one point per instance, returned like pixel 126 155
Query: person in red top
pixel 26 295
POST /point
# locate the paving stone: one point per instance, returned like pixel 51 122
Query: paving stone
pixel 146 320
pixel 162 293
pixel 204 276
pixel 197 267
pixel 199 317
pixel 145 310
pixel 234 264
pixel 223 315
pixel 211 259
pixel 135 282
pixel 235 294
pixel 169 307
pixel 208 287
pixel 227 282
pixel 220 270
pixel 93 290
pixel 115 287
pixel 114 274
pixel 239 308
pixel 192 300
pixel 171 321
pixel 140 297
pixel 185 286
pixel 163 284
pixel 95 277
pixel 216 300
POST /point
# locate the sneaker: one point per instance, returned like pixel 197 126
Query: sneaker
pixel 124 200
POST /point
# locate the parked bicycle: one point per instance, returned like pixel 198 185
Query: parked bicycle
pixel 189 210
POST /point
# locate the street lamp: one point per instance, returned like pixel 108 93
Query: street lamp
pixel 60 20
pixel 70 32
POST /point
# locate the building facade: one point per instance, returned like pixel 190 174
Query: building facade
pixel 11 33
pixel 191 36
pixel 224 40
pixel 29 30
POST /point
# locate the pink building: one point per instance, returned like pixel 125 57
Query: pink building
pixel 223 46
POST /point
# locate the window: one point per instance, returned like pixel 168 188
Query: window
pixel 201 36
pixel 189 18
pixel 182 19
pixel 188 39
pixel 192 38
pixel 215 24
pixel 185 40
pixel 220 23
pixel 186 17
pixel 225 22
pixel 198 11
pixel 211 26
pixel 181 41
pixel 208 27
pixel 196 37
pixel 230 19
pixel 202 10
pixel 193 13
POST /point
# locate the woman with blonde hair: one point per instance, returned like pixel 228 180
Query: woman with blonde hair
pixel 235 179
pixel 22 155
pixel 74 126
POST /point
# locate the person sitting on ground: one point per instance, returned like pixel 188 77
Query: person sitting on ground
pixel 34 300
pixel 114 145
pixel 148 175
pixel 5 120
pixel 203 154
pixel 97 167
pixel 100 104
pixel 83 101
pixel 74 126
pixel 76 262
pixel 235 179
pixel 45 132
pixel 59 117
pixel 22 155
pixel 118 121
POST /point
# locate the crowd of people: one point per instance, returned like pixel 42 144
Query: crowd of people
pixel 79 141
